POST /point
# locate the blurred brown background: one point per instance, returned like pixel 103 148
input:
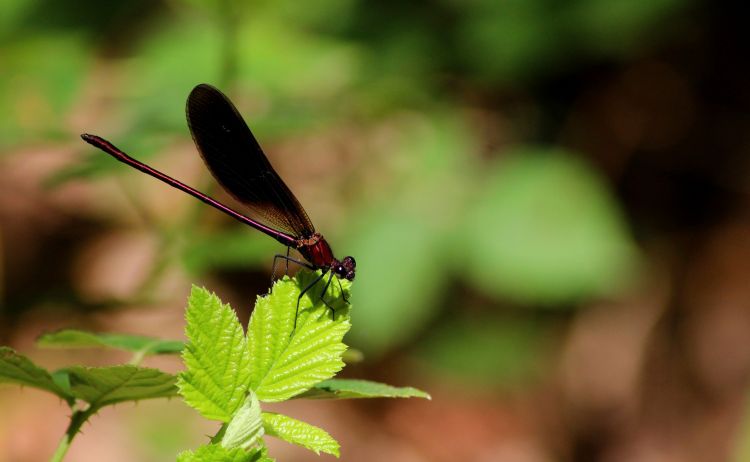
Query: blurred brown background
pixel 547 201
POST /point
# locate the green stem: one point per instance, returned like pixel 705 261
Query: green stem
pixel 137 357
pixel 77 420
pixel 216 439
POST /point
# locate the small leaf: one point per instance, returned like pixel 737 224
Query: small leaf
pixel 18 369
pixel 102 386
pixel 349 389
pixel 72 338
pixel 285 363
pixel 216 453
pixel 217 359
pixel 245 428
pixel 300 433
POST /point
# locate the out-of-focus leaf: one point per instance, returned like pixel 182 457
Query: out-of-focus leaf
pixel 616 26
pixel 246 427
pixel 509 40
pixel 546 230
pixel 487 351
pixel 328 15
pixel 71 338
pixel 36 91
pixel 293 63
pixel 165 71
pixel 401 71
pixel 103 386
pixel 297 432
pixel 400 241
pixel 11 13
pixel 350 389
pixel 398 279
pixel 18 369
pixel 287 73
pixel 286 364
pixel 514 40
pixel 216 357
pixel 238 247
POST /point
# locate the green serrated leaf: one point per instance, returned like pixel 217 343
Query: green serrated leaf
pixel 216 453
pixel 103 386
pixel 216 357
pixel 18 369
pixel 297 432
pixel 350 389
pixel 246 427
pixel 72 338
pixel 287 363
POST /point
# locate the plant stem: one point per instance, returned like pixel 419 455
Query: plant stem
pixel 216 439
pixel 137 357
pixel 77 420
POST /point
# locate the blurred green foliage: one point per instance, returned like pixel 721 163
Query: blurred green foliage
pixel 511 40
pixel 533 227
pixel 36 90
pixel 546 230
pixel 489 351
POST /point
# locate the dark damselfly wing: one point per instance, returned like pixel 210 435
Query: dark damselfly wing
pixel 236 160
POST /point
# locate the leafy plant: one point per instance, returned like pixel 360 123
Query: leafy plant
pixel 292 349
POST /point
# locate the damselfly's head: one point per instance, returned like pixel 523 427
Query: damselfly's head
pixel 345 268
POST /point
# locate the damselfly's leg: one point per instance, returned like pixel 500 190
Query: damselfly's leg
pixel 288 259
pixel 323 296
pixel 304 291
pixel 343 294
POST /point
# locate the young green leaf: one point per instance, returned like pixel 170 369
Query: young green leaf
pixel 287 363
pixel 246 427
pixel 216 356
pixel 102 386
pixel 72 338
pixel 349 388
pixel 216 453
pixel 18 369
pixel 300 433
